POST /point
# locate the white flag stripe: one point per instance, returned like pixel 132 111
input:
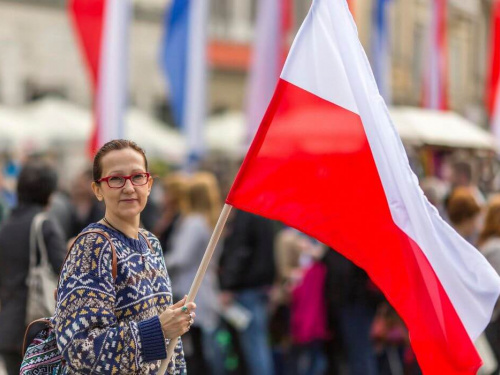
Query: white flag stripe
pixel 196 85
pixel 266 60
pixel 113 76
pixel 312 68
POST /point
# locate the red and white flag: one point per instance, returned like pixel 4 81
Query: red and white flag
pixel 435 94
pixel 102 28
pixel 328 161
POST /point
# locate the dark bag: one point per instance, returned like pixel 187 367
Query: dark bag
pixel 42 356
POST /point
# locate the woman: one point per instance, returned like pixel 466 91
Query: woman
pixel 489 245
pixel 175 187
pixel 37 182
pixel 119 325
pixel 189 243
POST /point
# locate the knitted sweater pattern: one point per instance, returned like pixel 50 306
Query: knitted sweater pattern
pixel 111 326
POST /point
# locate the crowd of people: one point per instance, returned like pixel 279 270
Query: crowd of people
pixel 273 301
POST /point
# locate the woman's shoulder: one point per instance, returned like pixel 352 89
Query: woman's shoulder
pixel 90 253
pixel 92 235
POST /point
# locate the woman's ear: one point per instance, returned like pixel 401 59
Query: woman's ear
pixel 97 191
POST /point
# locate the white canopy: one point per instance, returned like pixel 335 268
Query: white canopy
pixel 57 123
pixel 438 128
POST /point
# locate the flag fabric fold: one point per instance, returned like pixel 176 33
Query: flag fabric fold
pixel 328 161
pixel 102 28
pixel 184 62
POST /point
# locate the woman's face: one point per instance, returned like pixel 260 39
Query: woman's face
pixel 127 202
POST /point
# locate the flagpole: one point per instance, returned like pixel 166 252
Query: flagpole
pixel 202 269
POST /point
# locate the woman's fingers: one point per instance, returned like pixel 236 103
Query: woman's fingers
pixel 179 303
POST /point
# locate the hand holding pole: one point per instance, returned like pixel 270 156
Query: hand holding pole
pixel 202 269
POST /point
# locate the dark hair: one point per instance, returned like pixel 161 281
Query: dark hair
pixel 116 144
pixel 37 181
pixel 462 205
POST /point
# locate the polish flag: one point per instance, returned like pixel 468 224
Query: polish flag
pixel 328 161
pixel 269 53
pixel 102 28
pixel 435 93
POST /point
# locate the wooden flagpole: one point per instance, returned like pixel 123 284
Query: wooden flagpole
pixel 202 269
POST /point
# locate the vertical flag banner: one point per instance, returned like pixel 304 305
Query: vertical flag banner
pixel 352 7
pixel 267 60
pixel 102 27
pixel 492 86
pixel 184 62
pixel 435 95
pixel 328 161
pixel 381 49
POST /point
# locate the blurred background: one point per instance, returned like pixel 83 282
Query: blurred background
pixel 191 87
pixel 46 91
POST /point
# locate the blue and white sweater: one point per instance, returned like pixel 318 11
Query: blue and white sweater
pixel 106 326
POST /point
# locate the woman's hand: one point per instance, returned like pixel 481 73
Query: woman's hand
pixel 177 319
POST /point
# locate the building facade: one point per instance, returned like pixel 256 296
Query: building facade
pixel 39 53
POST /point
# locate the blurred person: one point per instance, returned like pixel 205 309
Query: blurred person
pixel 302 277
pixel 87 209
pixel 246 275
pixel 463 212
pixel 189 242
pixel 36 184
pixel 175 187
pixel 463 176
pixel 352 301
pixel 4 209
pixel 61 209
pixel 489 245
pixel 127 319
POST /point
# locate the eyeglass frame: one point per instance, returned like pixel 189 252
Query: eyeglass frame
pixel 129 177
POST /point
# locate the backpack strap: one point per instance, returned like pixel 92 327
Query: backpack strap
pixel 30 334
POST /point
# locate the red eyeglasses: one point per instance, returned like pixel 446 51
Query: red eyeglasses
pixel 116 182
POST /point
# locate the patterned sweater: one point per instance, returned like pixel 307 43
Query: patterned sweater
pixel 106 326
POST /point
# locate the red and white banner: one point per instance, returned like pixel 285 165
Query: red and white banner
pixel 435 93
pixel 269 53
pixel 328 161
pixel 102 28
pixel 492 87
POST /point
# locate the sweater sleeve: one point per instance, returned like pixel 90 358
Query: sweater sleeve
pixel 88 334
